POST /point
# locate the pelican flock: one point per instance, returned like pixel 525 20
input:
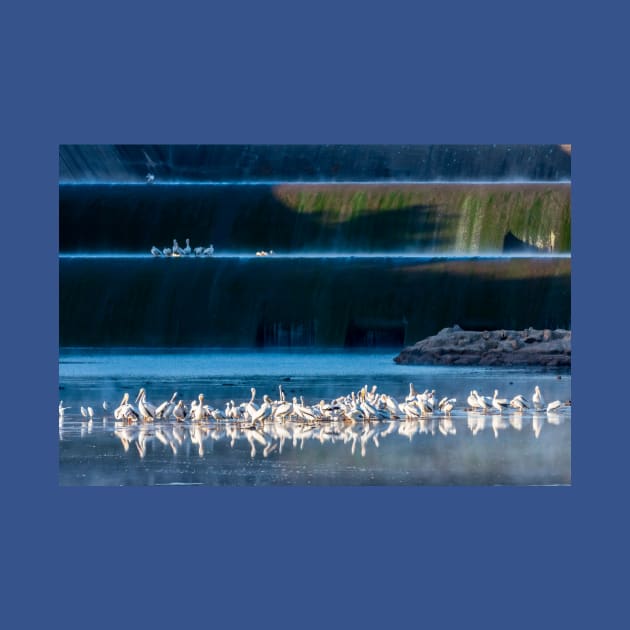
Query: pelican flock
pixel 353 418
pixel 183 252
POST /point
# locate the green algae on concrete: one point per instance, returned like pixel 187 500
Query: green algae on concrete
pixel 353 218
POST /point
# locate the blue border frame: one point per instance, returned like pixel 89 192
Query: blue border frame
pixel 242 72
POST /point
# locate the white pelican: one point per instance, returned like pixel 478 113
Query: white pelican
pixel 177 250
pixel 90 412
pixel 84 412
pixel 198 251
pixel 365 406
pixel 556 404
pixel 519 403
pixel 537 398
pixel 62 409
pixel 499 403
pixel 251 407
pixel 187 250
pixel 166 408
pixel 217 414
pixel 208 251
pixel 150 178
pixel 481 401
pixel 264 411
pixel 202 412
pixel 284 409
pixel 446 405
pixel 424 404
pixel 179 413
pixel 167 251
pixel 126 411
pixel 472 401
pixel 144 406
pixel 155 251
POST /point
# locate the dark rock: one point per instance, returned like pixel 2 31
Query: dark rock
pixel 454 346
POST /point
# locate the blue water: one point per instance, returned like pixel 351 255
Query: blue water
pixel 510 448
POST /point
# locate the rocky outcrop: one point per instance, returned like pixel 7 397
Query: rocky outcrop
pixel 454 346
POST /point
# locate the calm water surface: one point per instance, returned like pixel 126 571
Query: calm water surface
pixel 468 449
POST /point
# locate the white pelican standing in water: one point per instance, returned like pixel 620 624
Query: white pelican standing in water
pixel 481 401
pixel 519 403
pixel 251 407
pixel 179 413
pixel 126 411
pixel 264 411
pixel 187 251
pixel 446 405
pixel 155 251
pixel 472 401
pixel 168 251
pixel 499 403
pixel 537 398
pixel 177 250
pixel 62 409
pixel 202 412
pixel 146 408
pixel 208 251
pixel 166 408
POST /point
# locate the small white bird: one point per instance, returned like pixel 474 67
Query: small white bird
pixel 84 412
pixel 105 405
pixel 90 412
pixel 62 409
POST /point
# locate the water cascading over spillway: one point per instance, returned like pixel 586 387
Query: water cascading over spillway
pixel 356 264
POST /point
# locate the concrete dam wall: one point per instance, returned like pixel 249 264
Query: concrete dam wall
pixel 293 218
pixel 314 163
pixel 257 302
